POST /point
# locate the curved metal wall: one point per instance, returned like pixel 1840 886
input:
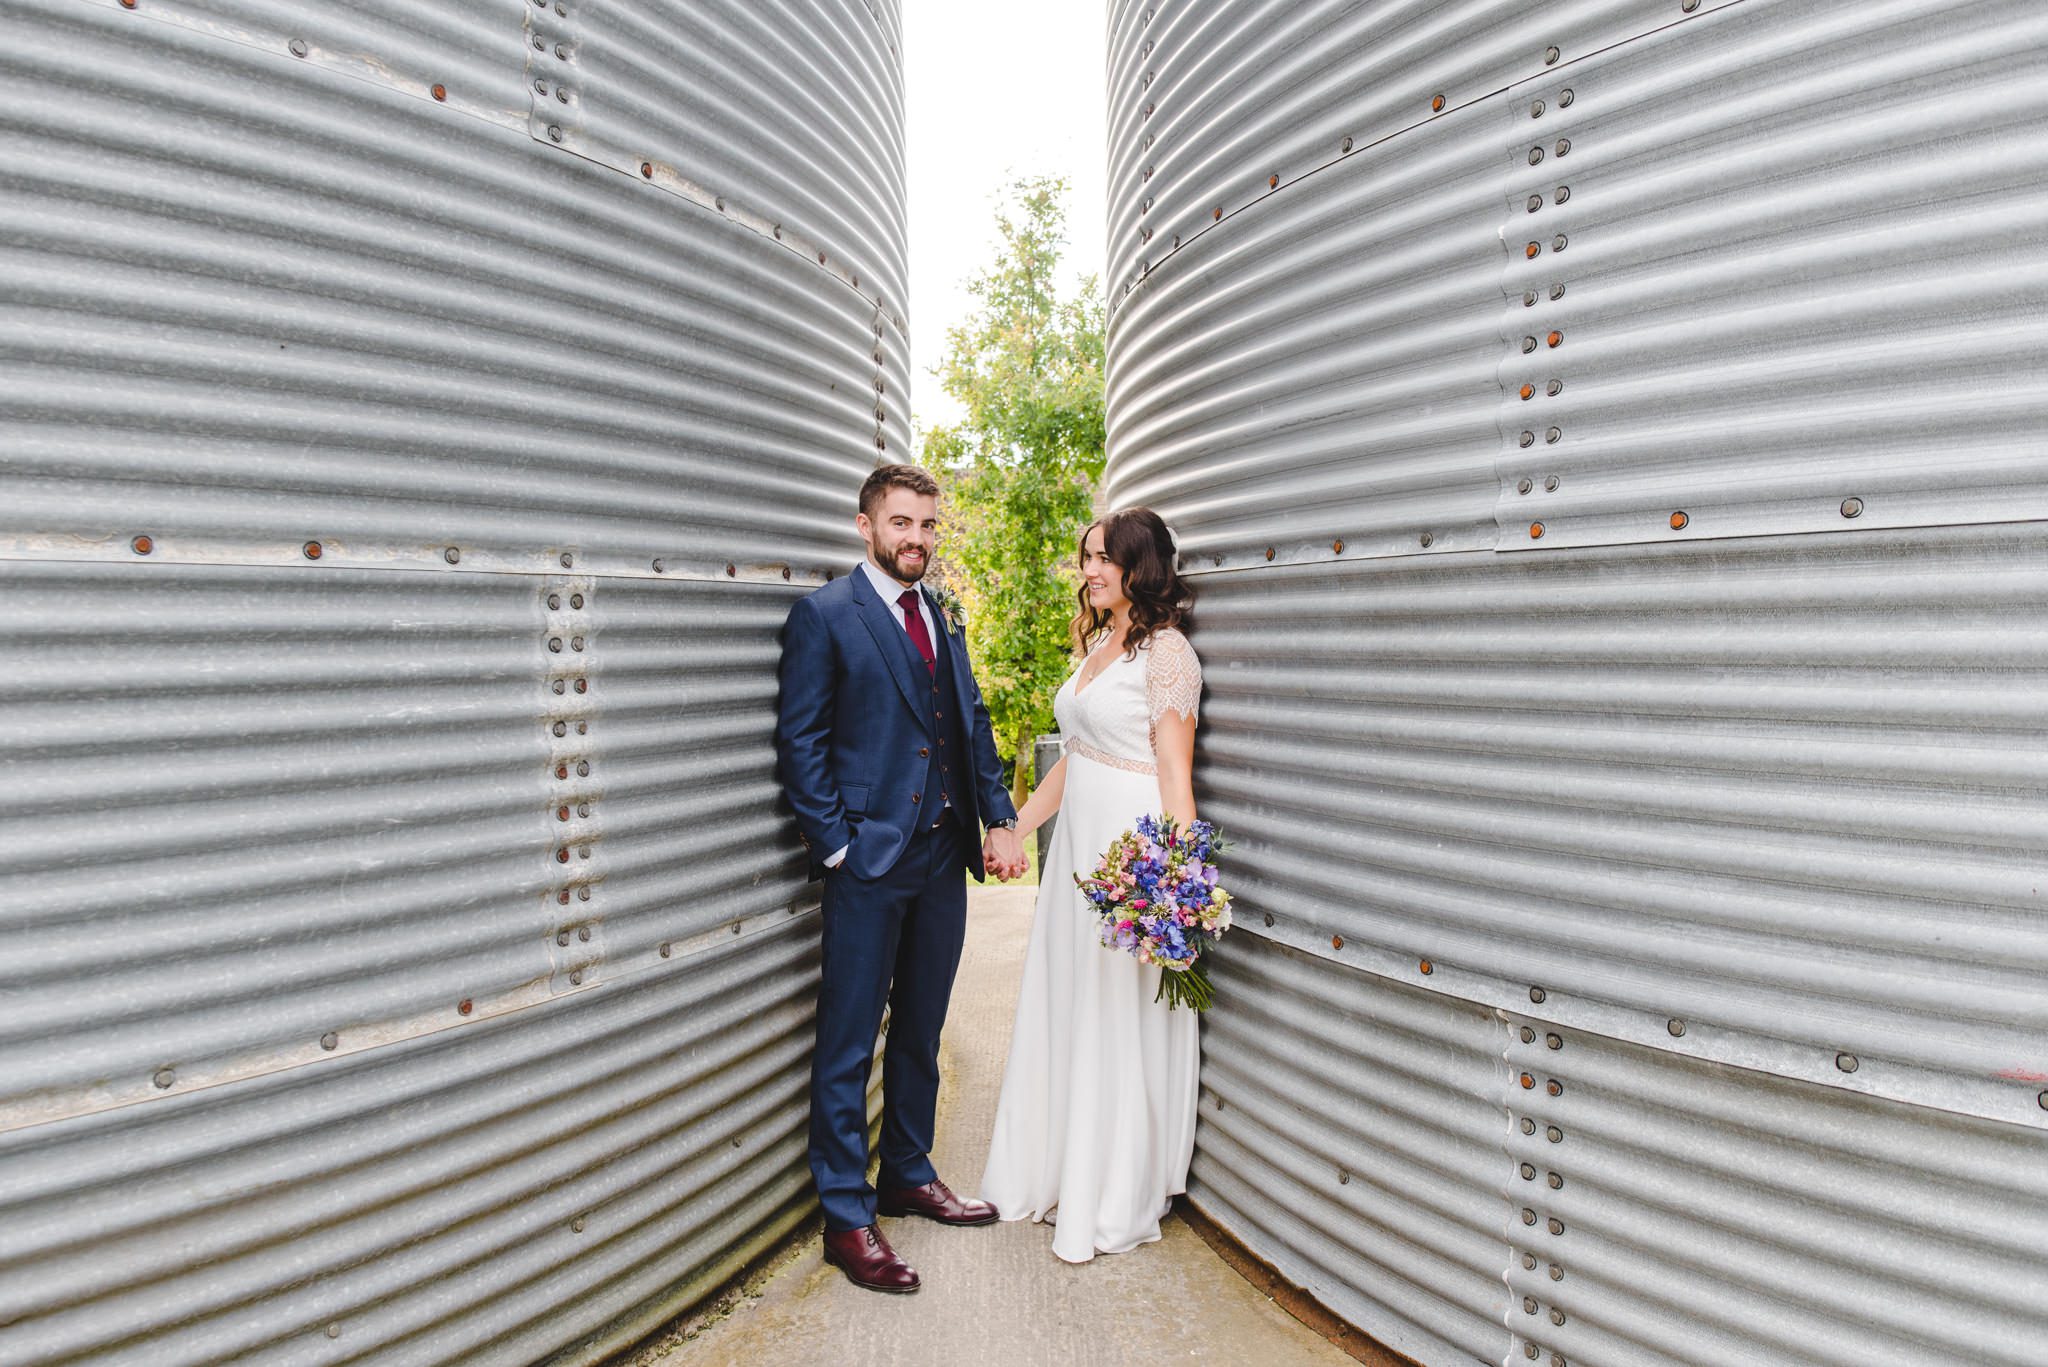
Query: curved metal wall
pixel 1606 435
pixel 417 419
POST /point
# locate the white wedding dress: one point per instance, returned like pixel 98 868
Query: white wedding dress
pixel 1097 1118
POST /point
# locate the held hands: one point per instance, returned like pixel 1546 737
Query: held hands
pixel 1002 853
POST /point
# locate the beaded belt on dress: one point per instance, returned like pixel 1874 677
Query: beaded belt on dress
pixel 1087 751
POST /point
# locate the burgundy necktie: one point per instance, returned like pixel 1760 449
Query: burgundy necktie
pixel 913 622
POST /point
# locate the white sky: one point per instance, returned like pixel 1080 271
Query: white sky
pixel 994 92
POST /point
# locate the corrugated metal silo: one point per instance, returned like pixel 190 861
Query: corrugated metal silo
pixel 1608 438
pixel 417 419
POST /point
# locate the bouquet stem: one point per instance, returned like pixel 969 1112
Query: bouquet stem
pixel 1187 987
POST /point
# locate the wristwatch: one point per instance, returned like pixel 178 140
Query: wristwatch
pixel 1008 824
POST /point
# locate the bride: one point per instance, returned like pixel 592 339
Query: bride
pixel 1097 1118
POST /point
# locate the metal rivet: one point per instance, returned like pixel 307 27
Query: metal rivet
pixel 1528 345
pixel 1556 1225
pixel 1554 339
pixel 1554 1134
pixel 1557 1360
pixel 1336 942
pixel 1428 539
pixel 1563 193
pixel 1528 299
pixel 1852 507
pixel 1846 1062
pixel 1559 243
pixel 576 978
pixel 311 550
pixel 561 771
pixel 583 769
pixel 647 173
pixel 1551 437
pixel 561 728
pixel 555 645
pixel 561 813
pixel 1528 392
pixel 297 46
pixel 1217 212
pixel 1536 109
pixel 575 643
pixel 2043 1100
pixel 1528 1033
pixel 658 567
pixel 665 950
pixel 1527 439
pixel 1535 155
pixel 1555 1181
pixel 730 571
pixel 1528 1172
pixel 562 51
pixel 1557 292
pixel 1565 98
pixel 1564 145
pixel 1528 1216
pixel 562 93
pixel 1344 146
pixel 330 1041
pixel 453 555
pixel 1553 1040
pixel 718 202
pixel 583 685
pixel 1426 968
pixel 1556 1273
pixel 562 936
pixel 1550 483
pixel 1436 104
pixel 1336 548
pixel 1533 250
pixel 1269 918
pixel 1523 486
pixel 1272 182
pixel 1554 388
pixel 1536 994
pixel 142 545
pixel 1554 1087
pixel 568 560
pixel 1343 1179
pixel 464 1007
pixel 1675 1025
pixel 334 1331
pixel 583 894
pixel 164 1078
pixel 1550 56
pixel 1528 1125
pixel 1535 531
pixel 1688 6
pixel 1528 1305
pixel 1529 1261
pixel 583 852
pixel 577 1224
pixel 1269 552
pixel 554 132
pixel 1557 1317
pixel 440 92
pixel 1535 203
pixel 1528 1081
pixel 1531 1351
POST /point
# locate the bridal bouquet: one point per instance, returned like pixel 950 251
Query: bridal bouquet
pixel 1156 893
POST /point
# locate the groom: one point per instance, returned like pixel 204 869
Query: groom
pixel 882 744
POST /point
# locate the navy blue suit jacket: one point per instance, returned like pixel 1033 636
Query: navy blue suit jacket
pixel 851 717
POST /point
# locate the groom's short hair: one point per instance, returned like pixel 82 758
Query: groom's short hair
pixel 886 477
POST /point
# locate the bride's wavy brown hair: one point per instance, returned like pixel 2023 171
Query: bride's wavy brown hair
pixel 1136 542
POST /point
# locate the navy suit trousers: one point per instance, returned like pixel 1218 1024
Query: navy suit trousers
pixel 891 940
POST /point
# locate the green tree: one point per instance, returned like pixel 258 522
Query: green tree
pixel 1021 466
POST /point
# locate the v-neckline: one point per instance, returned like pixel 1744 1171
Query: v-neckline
pixel 1082 686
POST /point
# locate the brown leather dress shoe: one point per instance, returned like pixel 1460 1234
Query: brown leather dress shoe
pixel 867 1260
pixel 935 1201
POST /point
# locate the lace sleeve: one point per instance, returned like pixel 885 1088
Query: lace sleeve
pixel 1173 677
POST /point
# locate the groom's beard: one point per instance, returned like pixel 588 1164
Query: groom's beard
pixel 900 572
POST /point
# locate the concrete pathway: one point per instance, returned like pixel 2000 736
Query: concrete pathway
pixel 996 1296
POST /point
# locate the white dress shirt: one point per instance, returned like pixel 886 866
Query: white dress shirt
pixel 889 591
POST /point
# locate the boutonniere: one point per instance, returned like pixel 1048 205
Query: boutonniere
pixel 948 604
